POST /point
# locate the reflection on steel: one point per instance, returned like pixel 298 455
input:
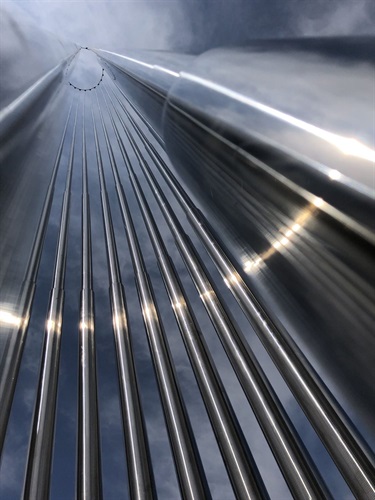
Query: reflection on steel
pixel 37 479
pixel 241 467
pixel 296 466
pixel 11 359
pixel 88 461
pixel 278 231
pixel 141 482
pixel 16 110
pixel 336 431
pixel 188 465
pixel 333 426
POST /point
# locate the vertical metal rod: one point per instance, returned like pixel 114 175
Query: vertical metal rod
pixel 240 464
pixel 16 338
pixel 141 481
pixel 347 448
pixel 188 464
pixel 38 470
pixel 297 467
pixel 88 460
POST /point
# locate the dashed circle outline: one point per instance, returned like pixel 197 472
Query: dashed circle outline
pixel 92 88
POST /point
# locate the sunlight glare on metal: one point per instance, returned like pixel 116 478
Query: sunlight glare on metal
pixel 248 265
pixel 149 311
pixel 86 325
pixel 53 325
pixel 318 202
pixel 233 278
pixel 334 175
pixel 351 147
pixel 179 304
pixel 251 264
pixel 9 319
pixel 119 321
pixel 347 145
pixel 146 65
pixel 207 294
pixel 226 282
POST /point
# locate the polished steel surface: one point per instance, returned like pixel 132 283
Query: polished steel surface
pixel 141 482
pixel 37 479
pixel 337 432
pixel 188 464
pixel 12 355
pixel 88 459
pixel 209 329
pixel 241 466
pixel 287 199
pixel 296 466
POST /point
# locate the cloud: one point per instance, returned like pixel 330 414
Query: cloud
pixel 340 18
pixel 193 25
pixel 117 24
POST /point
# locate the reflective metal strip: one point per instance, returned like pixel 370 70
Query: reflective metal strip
pixel 16 340
pixel 188 465
pixel 240 464
pixel 347 448
pixel 88 459
pixel 294 461
pixel 141 482
pixel 37 479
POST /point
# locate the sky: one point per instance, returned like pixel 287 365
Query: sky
pixel 194 25
pixel 190 26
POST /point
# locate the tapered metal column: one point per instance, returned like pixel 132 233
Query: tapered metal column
pixel 141 482
pixel 188 464
pixel 238 460
pixel 38 471
pixel 347 448
pixel 88 460
pixel 294 461
pixel 12 356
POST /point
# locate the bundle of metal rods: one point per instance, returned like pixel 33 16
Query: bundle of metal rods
pixel 114 123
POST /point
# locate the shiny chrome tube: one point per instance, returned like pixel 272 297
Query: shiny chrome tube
pixel 241 467
pixel 295 464
pixel 187 460
pixel 141 482
pixel 88 459
pixel 11 358
pixel 39 461
pixel 340 437
pixel 347 448
pixel 148 76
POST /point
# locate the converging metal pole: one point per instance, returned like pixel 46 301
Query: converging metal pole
pixel 240 464
pixel 347 448
pixel 188 464
pixel 141 482
pixel 88 459
pixel 39 462
pixel 11 359
pixel 295 464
